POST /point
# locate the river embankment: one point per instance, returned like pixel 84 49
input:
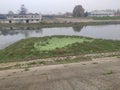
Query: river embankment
pixel 35 48
pixel 48 47
pixel 98 74
pixel 63 22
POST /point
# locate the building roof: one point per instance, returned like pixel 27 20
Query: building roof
pixel 2 16
pixel 103 12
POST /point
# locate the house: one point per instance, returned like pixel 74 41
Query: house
pixel 2 17
pixel 17 18
pixel 101 13
pixel 68 15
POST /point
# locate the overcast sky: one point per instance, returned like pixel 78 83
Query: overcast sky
pixel 56 6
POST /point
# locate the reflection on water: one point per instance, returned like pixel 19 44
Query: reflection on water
pixel 77 28
pixel 25 32
pixel 20 28
pixel 8 36
pixel 28 30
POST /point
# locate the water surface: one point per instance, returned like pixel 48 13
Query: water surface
pixel 11 35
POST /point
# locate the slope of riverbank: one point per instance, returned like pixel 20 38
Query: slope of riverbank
pixel 98 74
pixel 48 47
pixel 56 60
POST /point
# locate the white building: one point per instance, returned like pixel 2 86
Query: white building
pixel 102 13
pixel 27 18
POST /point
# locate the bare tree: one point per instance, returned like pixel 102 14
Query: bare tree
pixel 22 10
pixel 77 28
pixel 10 12
pixel 78 11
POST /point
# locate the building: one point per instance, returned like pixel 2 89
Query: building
pixel 16 18
pixel 101 13
pixel 2 17
pixel 68 15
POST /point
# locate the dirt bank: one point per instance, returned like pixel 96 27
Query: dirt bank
pixel 98 74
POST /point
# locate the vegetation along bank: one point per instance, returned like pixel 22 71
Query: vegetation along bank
pixel 56 46
pixel 67 22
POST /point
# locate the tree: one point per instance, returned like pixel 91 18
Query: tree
pixel 86 14
pixel 23 10
pixel 77 28
pixel 10 12
pixel 78 11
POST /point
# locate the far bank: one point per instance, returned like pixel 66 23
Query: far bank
pixel 64 22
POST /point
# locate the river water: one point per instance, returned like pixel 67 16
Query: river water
pixel 11 35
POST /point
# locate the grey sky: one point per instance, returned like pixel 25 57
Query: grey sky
pixel 56 6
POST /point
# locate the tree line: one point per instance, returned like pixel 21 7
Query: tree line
pixel 23 10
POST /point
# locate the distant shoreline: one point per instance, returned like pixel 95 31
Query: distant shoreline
pixel 64 24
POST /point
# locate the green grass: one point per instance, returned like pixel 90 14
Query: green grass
pixel 56 46
pixel 107 18
pixel 56 42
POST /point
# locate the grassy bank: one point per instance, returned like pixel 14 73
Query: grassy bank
pixel 56 46
pixel 107 18
pixel 44 25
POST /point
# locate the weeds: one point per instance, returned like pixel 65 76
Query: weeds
pixel 95 63
pixel 26 69
pixel 72 60
pixel 108 73
pixel 56 46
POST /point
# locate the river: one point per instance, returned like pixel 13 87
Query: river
pixel 11 35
